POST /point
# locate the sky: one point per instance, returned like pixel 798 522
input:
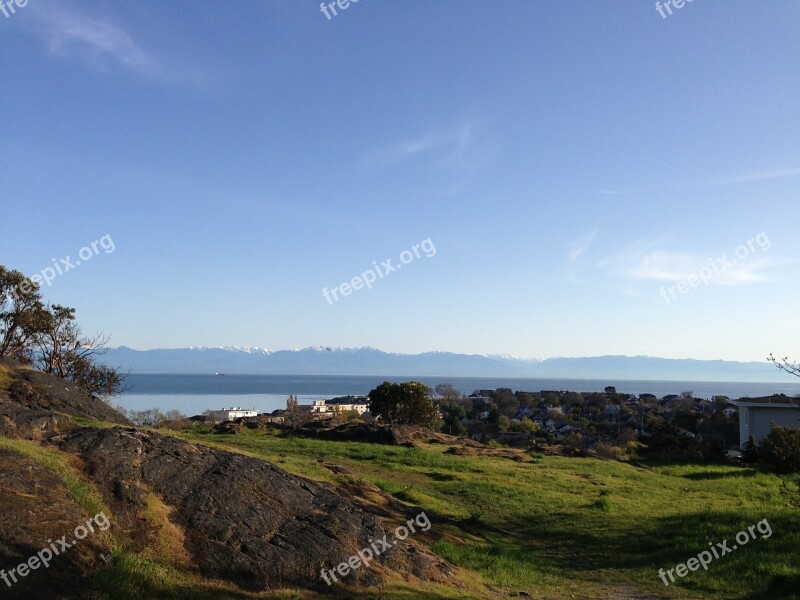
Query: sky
pixel 554 178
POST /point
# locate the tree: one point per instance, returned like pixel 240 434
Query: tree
pixel 145 418
pixel 784 365
pixel 526 425
pixel 403 403
pixel 48 338
pixel 447 393
pixel 22 314
pixel 62 350
pixel 750 453
pixel 453 413
pixel 295 416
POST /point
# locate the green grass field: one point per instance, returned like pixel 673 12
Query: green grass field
pixel 554 527
pixel 570 527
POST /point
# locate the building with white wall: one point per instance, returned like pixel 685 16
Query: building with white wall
pixel 759 415
pixel 231 414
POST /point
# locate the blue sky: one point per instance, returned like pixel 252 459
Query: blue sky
pixel 567 160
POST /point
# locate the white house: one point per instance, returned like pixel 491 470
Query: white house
pixel 759 415
pixel 231 414
pixel 353 403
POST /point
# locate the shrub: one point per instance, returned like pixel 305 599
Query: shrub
pixel 603 502
pixel 750 453
pixel 609 451
pixel 781 449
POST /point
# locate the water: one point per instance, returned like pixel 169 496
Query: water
pixel 193 394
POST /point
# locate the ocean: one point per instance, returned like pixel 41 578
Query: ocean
pixel 193 394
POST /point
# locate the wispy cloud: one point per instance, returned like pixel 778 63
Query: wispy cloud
pixel 646 263
pixel 101 43
pixel 722 180
pixel 451 145
pixel 582 244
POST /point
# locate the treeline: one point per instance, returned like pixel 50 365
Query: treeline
pixel 46 337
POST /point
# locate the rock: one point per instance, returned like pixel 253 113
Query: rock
pixel 222 514
pixel 244 519
pixel 36 508
pixel 38 391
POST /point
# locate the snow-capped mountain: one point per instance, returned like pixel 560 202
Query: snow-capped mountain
pixel 328 360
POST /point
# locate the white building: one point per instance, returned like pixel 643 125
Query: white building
pixel 231 414
pixel 330 406
pixel 759 415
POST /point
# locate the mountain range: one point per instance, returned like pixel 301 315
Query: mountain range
pixel 321 360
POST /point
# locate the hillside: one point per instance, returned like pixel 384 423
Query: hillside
pixel 256 513
pixel 177 509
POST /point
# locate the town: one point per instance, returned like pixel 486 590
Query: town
pixel 608 423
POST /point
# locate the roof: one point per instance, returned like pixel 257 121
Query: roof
pixel 775 401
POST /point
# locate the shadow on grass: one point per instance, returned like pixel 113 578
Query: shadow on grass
pixel 708 475
pixel 758 567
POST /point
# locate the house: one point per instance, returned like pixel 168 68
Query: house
pixel 359 404
pixel 757 416
pixel 231 414
pixel 729 411
pixel 524 412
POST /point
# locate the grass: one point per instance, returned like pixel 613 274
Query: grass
pixel 78 488
pixel 5 379
pixel 554 528
pixel 569 526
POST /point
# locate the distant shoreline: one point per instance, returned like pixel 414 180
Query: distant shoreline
pixel 268 392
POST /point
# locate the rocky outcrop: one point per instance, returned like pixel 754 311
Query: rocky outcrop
pixel 234 517
pixel 38 391
pixel 243 518
pixel 391 435
pixel 36 510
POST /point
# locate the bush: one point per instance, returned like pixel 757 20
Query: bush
pixel 781 449
pixel 609 451
pixel 574 442
pixel 750 454
pixel 603 502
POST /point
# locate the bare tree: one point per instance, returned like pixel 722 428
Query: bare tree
pixel 63 351
pixel 784 365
